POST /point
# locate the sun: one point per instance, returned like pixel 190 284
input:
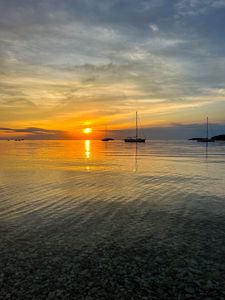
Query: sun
pixel 87 130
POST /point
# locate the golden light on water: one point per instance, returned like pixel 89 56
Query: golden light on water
pixel 87 130
pixel 87 148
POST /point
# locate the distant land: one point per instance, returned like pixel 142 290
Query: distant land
pixel 220 137
pixel 170 132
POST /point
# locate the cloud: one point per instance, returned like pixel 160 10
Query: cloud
pixel 154 27
pixel 32 130
pixel 197 7
pixel 61 61
pixel 218 3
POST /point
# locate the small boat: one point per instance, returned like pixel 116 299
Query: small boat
pixel 106 138
pixel 135 139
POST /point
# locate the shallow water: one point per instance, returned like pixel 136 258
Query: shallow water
pixel 94 220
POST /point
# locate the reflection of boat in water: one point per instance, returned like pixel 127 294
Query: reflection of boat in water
pixel 106 138
pixel 135 139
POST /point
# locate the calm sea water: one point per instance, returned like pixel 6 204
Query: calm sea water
pixel 94 220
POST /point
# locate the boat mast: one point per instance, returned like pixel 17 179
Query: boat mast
pixel 207 128
pixel 136 126
pixel 106 131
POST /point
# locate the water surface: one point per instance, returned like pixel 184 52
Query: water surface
pixel 95 220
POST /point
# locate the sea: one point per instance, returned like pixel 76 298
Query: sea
pixel 112 220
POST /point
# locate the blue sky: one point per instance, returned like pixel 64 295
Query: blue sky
pixel 68 64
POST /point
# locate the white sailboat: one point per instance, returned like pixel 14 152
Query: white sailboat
pixel 135 139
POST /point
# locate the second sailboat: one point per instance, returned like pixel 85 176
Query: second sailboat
pixel 135 139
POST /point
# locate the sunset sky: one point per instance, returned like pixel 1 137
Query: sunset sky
pixel 67 65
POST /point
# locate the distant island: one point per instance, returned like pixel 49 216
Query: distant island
pixel 220 137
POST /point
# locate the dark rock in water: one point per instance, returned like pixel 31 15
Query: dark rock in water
pixel 220 137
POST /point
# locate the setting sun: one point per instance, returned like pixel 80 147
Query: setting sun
pixel 87 130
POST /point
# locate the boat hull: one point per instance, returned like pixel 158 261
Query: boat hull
pixel 134 140
pixel 107 139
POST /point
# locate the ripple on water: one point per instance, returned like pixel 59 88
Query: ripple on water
pixel 124 220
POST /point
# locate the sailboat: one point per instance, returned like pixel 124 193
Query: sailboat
pixel 135 139
pixel 206 139
pixel 106 138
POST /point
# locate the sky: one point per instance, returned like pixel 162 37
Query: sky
pixel 67 65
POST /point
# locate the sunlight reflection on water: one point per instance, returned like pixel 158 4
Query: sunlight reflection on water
pixel 166 165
